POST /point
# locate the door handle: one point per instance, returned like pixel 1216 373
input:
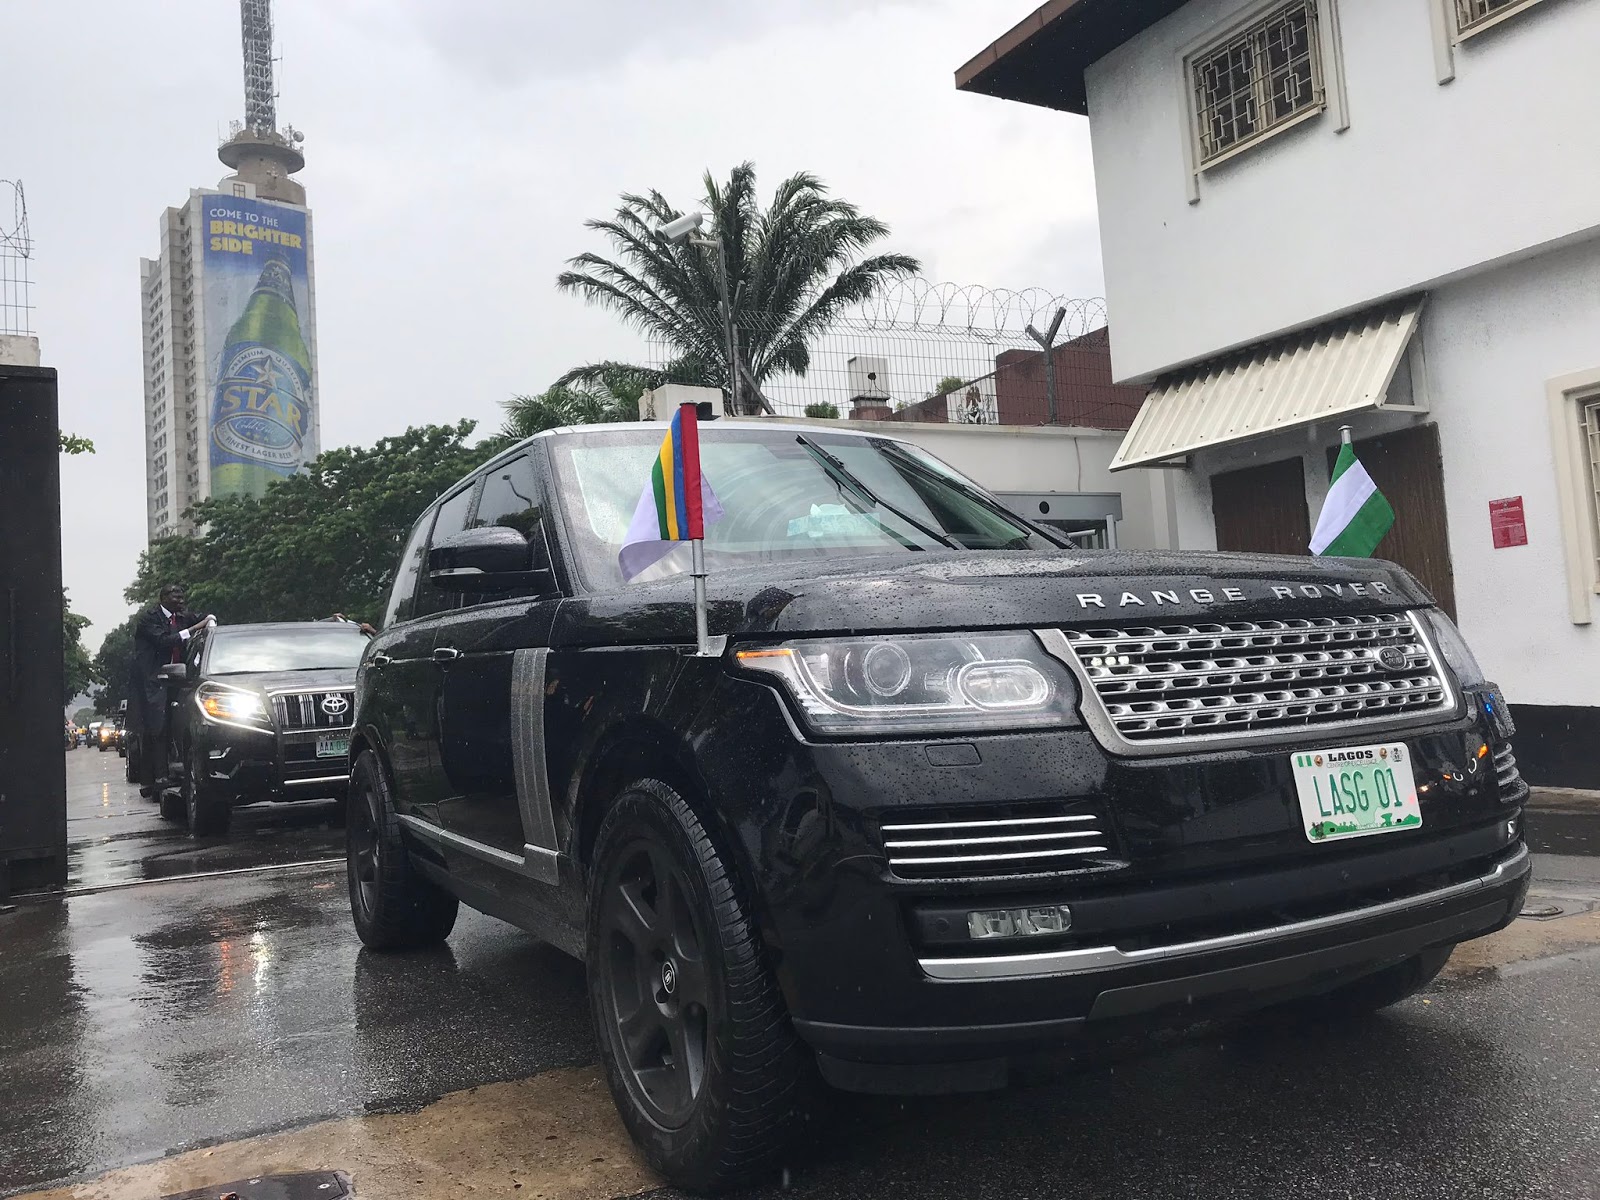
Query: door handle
pixel 445 653
pixel 380 660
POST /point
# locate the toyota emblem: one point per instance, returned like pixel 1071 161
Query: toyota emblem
pixel 335 705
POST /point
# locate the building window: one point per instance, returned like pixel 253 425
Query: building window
pixel 1258 80
pixel 1473 15
pixel 1591 440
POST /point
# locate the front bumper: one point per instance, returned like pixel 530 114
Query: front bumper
pixel 251 765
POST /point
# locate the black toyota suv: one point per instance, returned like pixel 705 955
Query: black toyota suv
pixel 260 712
pixel 944 793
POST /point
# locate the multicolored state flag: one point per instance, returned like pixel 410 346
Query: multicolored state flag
pixel 1355 516
pixel 676 505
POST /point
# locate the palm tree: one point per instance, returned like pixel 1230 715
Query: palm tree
pixel 792 270
pixel 610 392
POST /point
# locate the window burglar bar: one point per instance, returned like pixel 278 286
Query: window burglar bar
pixel 1258 80
pixel 1475 12
pixel 1591 429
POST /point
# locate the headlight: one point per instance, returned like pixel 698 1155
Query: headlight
pixel 923 683
pixel 221 703
pixel 1454 648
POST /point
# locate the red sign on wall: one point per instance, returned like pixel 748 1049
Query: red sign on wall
pixel 1506 522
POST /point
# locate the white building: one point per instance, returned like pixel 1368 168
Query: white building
pixel 1374 213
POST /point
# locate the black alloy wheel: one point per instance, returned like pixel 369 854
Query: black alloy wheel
pixel 655 980
pixel 392 905
pixel 699 1052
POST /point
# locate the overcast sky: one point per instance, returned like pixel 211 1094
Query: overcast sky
pixel 454 148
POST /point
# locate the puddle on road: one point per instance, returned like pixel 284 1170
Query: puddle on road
pixel 553 1137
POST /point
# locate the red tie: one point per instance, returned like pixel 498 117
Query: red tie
pixel 177 651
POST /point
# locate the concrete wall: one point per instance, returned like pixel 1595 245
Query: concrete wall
pixel 1018 458
pixel 1492 342
pixel 1428 181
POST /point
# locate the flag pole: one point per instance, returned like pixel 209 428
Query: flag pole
pixel 1344 435
pixel 697 570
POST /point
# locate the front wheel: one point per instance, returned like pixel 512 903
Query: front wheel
pixel 702 1062
pixel 210 814
pixel 393 906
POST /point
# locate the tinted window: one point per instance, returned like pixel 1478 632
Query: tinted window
pixel 301 648
pixel 452 519
pixel 783 499
pixel 402 597
pixel 513 496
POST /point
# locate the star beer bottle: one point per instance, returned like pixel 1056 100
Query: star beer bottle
pixel 261 413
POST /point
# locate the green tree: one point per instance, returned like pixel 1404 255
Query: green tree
pixel 72 443
pixel 793 269
pixel 321 541
pixel 83 716
pixel 823 411
pixel 611 393
pixel 112 667
pixel 950 383
pixel 78 672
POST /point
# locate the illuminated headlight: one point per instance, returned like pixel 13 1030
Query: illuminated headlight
pixel 235 705
pixel 923 683
pixel 1018 922
pixel 1454 648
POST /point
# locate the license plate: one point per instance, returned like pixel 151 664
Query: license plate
pixel 1353 791
pixel 333 747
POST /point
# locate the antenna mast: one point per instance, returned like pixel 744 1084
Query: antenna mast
pixel 260 100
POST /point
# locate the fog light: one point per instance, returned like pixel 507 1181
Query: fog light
pixel 1019 922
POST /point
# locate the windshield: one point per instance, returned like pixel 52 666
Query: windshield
pixel 788 493
pixel 295 649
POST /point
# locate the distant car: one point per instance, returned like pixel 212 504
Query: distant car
pixel 261 712
pixel 110 735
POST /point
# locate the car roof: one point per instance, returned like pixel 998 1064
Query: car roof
pixel 282 626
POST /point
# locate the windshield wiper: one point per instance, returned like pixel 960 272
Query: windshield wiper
pixel 841 475
pixel 971 493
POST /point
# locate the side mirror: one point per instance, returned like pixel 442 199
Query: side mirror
pixel 171 673
pixel 492 558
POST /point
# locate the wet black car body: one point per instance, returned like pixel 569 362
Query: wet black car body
pixel 260 712
pixel 1104 831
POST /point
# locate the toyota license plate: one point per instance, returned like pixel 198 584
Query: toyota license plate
pixel 333 747
pixel 1353 791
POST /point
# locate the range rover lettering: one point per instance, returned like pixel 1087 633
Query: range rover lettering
pixel 945 793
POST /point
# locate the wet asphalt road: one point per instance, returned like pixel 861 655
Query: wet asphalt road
pixel 140 1021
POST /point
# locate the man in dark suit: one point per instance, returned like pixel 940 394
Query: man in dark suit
pixel 159 637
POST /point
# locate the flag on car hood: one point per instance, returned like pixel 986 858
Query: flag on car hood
pixel 677 502
pixel 1355 516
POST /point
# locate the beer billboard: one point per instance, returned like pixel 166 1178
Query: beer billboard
pixel 257 336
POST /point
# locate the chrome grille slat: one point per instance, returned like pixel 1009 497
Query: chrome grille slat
pixel 301 712
pixel 972 846
pixel 1236 678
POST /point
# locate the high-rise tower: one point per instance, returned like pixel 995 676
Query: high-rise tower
pixel 229 316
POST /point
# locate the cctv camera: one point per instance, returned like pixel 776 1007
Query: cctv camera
pixel 679 231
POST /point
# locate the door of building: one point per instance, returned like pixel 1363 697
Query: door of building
pixel 1409 470
pixel 1262 510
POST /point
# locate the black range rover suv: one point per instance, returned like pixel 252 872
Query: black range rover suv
pixel 946 792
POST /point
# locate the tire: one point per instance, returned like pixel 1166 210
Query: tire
pixel 1382 988
pixel 393 906
pixel 172 807
pixel 208 811
pixel 703 1064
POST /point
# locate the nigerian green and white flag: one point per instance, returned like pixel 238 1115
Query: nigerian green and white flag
pixel 1355 516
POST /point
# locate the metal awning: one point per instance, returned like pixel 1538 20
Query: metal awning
pixel 1319 373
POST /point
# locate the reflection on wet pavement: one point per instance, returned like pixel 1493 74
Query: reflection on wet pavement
pixel 115 836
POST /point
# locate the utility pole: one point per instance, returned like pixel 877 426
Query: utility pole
pixel 1045 341
pixel 730 335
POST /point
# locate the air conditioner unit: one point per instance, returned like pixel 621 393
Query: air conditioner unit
pixel 658 404
pixel 868 377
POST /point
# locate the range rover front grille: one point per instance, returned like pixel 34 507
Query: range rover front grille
pixel 1506 773
pixel 300 711
pixel 1237 678
pixel 978 847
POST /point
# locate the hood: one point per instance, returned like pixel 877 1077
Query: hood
pixel 998 589
pixel 292 681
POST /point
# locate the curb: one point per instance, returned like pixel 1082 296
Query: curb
pixel 1564 800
